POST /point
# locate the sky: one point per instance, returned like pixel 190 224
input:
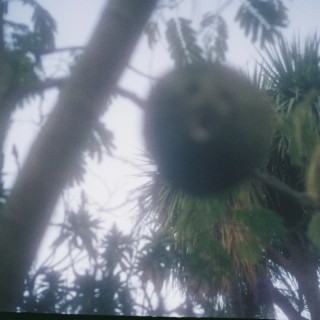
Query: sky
pixel 110 183
pixel 76 20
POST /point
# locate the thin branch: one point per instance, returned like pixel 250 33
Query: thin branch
pixel 279 259
pixel 131 96
pixel 142 73
pixel 41 86
pixel 302 198
pixel 37 88
pixel 59 50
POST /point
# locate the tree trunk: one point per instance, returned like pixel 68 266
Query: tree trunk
pixel 59 145
pixel 305 269
pixel 308 281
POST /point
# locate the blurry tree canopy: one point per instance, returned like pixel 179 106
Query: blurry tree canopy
pixel 241 252
pixel 233 255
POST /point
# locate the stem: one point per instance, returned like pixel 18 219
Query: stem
pixel 131 96
pixel 303 199
pixel 39 87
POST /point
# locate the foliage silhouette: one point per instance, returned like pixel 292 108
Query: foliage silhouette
pixel 231 256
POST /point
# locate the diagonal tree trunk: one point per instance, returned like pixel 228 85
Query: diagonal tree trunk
pixel 59 145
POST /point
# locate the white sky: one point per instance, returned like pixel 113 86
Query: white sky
pixel 76 20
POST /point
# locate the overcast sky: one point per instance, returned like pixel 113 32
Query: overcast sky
pixel 76 20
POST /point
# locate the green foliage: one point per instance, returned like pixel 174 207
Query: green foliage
pixel 263 223
pixel 103 291
pixel 21 68
pixel 236 237
pixel 99 286
pixel 168 203
pixel 80 230
pixel 292 69
pixel 23 44
pixel 18 70
pixel 156 260
pixel 99 144
pixel 292 80
pixel 210 240
pixel 214 247
pixel 118 249
pixel 100 140
pixel 314 230
pixel 35 40
pixel 106 296
pixel 182 39
pixel 313 174
pixel 302 126
pixel 45 296
pixel 262 19
pixel 204 272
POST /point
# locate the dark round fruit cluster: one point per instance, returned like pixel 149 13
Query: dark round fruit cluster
pixel 207 127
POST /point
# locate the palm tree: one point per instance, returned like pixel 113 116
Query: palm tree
pixel 256 246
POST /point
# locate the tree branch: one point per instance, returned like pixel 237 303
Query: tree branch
pixel 302 198
pixel 285 305
pixel 142 73
pixel 59 50
pixel 60 143
pixel 131 96
pixel 39 87
pixel 36 88
pixel 279 259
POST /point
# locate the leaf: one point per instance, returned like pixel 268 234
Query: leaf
pixel 175 44
pixel 182 42
pixel 214 35
pixel 262 18
pixel 153 33
pixel 84 228
pixel 78 172
pixel 263 223
pixel 17 70
pixel 100 138
pixel 292 70
pixel 105 136
pixel 38 39
pixel 244 233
